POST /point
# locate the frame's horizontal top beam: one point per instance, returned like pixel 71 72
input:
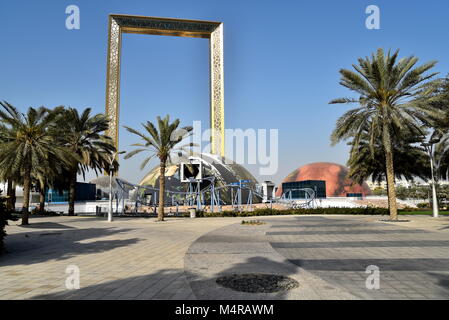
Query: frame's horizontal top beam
pixel 165 26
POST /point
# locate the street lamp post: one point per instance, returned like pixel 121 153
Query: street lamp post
pixel 429 148
pixel 111 173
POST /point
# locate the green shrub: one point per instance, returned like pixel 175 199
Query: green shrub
pixel 423 205
pixel 275 212
pixel 199 213
pixel 252 222
pixel 37 212
pixel 4 217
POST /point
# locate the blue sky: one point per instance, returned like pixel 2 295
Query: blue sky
pixel 281 63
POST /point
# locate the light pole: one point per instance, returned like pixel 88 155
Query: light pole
pixel 429 148
pixel 111 159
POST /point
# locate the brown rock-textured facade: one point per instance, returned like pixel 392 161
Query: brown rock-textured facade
pixel 336 176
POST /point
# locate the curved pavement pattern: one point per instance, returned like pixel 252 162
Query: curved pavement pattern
pixel 413 263
pixel 328 256
pixel 181 258
pixel 130 258
pixel 244 249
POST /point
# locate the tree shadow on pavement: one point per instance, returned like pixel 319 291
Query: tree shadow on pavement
pixel 166 284
pixel 41 246
pixel 443 281
pixel 161 285
pixel 205 287
pixel 46 225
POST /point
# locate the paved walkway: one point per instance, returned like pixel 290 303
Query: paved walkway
pixel 237 249
pixel 126 259
pixel 138 258
pixel 413 263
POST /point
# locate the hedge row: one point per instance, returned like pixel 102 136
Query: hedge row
pixel 276 212
pixel 4 217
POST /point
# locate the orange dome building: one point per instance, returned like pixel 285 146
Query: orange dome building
pixel 335 176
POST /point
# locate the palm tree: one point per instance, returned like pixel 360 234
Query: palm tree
pixel 441 155
pixel 439 133
pixel 160 143
pixel 367 159
pixel 27 141
pixel 83 136
pixel 387 89
pixel 11 195
pixel 53 176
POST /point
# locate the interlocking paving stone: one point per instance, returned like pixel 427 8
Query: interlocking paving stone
pixel 413 263
pixel 140 259
pixel 203 267
pixel 383 264
pixel 361 244
pixel 324 225
pixel 328 232
pixel 125 259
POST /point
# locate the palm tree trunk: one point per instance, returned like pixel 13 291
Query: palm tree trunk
pixel 160 214
pixel 72 190
pixel 10 195
pixel 26 196
pixel 13 196
pixel 42 199
pixel 392 206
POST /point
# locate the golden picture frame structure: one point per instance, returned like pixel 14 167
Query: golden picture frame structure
pixel 119 24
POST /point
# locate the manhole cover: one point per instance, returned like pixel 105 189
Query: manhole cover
pixel 257 282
